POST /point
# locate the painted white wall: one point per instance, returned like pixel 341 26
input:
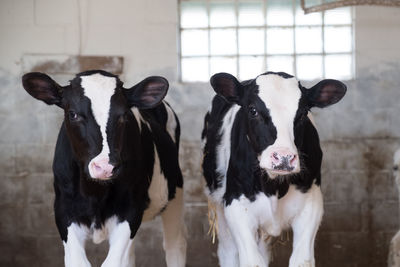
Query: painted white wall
pixel 146 32
pixel 377 36
pixel 143 32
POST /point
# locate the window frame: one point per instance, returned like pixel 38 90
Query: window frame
pixel 265 27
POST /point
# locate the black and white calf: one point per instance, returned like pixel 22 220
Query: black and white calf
pixel 115 164
pixel 262 165
pixel 394 256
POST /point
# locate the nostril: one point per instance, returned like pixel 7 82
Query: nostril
pixel 292 159
pixel 115 168
pixel 96 167
pixel 275 156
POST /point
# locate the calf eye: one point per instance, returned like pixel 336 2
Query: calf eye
pixel 72 116
pixel 396 168
pixel 253 111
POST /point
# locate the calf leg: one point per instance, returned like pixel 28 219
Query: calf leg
pixel 305 226
pixel 74 246
pixel 264 248
pixel 243 227
pixel 227 251
pixel 174 231
pixel 121 252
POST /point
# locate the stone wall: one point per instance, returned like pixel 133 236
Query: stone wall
pixel 358 135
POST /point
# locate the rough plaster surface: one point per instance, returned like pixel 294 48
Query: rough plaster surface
pixel 55 64
pixel 358 135
pixel 361 204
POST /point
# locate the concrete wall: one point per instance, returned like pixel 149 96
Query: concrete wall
pixel 358 135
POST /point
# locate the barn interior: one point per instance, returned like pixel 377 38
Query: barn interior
pixel 186 42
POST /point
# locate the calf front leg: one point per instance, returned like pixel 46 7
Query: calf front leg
pixel 174 231
pixel 264 246
pixel 227 251
pixel 243 227
pixel 305 226
pixel 74 246
pixel 121 252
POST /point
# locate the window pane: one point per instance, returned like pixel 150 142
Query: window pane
pixel 223 42
pixel 222 14
pixel 308 40
pixel 224 45
pixel 223 64
pixel 193 14
pixel 279 63
pixel 195 69
pixel 194 42
pixel 279 12
pixel 338 16
pixel 309 67
pixel 338 39
pixel 251 14
pixel 338 66
pixel 280 41
pixel 250 67
pixel 251 41
pixel 309 19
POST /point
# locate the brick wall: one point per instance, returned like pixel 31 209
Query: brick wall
pixel 358 135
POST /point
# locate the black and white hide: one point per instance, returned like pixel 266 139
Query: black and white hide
pixel 262 165
pixel 394 255
pixel 115 164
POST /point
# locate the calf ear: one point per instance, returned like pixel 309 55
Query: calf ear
pixel 326 93
pixel 148 93
pixel 227 86
pixel 42 87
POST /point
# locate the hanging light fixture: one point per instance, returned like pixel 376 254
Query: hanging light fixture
pixel 342 3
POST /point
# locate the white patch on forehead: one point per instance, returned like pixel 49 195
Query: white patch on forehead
pixel 99 89
pixel 281 96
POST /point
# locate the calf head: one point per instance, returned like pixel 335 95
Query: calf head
pixel 274 107
pixel 98 116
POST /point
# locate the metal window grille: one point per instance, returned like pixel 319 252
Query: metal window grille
pixel 324 27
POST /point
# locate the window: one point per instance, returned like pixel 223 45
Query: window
pixel 248 37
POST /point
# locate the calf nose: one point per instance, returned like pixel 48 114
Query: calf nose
pixel 284 160
pixel 101 168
